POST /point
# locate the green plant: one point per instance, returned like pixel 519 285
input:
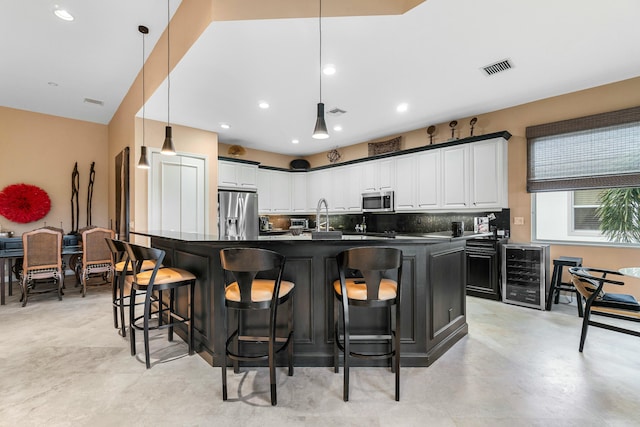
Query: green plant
pixel 619 214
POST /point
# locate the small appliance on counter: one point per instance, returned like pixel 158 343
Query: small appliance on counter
pixel 457 228
pixel 264 223
pixel 300 222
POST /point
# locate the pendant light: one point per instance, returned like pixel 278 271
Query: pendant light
pixel 320 131
pixel 144 159
pixel 167 147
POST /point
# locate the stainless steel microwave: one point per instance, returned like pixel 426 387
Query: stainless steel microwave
pixel 378 201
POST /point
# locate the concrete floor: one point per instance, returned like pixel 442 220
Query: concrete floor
pixel 63 364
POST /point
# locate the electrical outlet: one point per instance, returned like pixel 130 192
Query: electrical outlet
pixel 518 220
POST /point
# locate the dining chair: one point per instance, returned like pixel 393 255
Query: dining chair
pixel 244 293
pixel 42 263
pixel 363 284
pixel 589 282
pixel 96 256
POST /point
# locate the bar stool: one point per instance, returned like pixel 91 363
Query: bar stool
pixel 119 295
pixel 558 285
pixel 371 290
pixel 159 279
pixel 247 293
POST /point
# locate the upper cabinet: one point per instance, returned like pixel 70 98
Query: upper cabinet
pixel 378 175
pixel 458 176
pixel 489 174
pixel 237 176
pixel 274 191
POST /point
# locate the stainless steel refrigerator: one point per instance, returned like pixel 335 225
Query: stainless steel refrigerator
pixel 237 215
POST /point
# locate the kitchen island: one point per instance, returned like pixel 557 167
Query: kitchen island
pixel 433 290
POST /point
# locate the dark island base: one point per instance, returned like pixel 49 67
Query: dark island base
pixel 433 305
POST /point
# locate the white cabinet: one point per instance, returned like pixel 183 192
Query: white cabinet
pixel 489 174
pixel 344 194
pixel 236 175
pixel 299 192
pixel 406 195
pixel 378 175
pixel 455 177
pixel 475 176
pixel 429 174
pixel 274 191
pixel 318 187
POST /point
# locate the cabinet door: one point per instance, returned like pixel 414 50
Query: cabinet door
pixel 264 190
pixel 369 176
pixel 280 189
pixel 405 193
pixel 429 175
pixel 487 174
pixel 455 177
pixel 299 192
pixel 352 188
pixel 386 174
pixel 337 197
pixel 318 186
pixel 227 175
pixel 247 176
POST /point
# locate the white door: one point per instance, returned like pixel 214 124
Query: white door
pixel 178 193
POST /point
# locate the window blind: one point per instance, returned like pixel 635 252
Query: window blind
pixel 599 151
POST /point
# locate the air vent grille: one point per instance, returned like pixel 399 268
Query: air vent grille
pixel 93 101
pixel 336 112
pixel 498 67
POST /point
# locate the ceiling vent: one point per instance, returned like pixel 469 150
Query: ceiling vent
pixel 498 67
pixel 336 112
pixel 93 101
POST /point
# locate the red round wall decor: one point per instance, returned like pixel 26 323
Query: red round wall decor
pixel 24 203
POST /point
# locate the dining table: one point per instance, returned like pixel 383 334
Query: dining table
pixel 11 250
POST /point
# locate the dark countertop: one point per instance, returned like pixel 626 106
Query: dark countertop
pixel 441 236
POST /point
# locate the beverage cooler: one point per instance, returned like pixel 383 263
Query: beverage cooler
pixel 525 274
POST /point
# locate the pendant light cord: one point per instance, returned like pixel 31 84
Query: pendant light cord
pixel 320 31
pixel 168 56
pixel 144 100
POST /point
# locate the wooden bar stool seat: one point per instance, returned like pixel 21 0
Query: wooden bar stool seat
pixel 558 285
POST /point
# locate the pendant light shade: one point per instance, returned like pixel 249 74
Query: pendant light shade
pixel 320 131
pixel 167 147
pixel 143 163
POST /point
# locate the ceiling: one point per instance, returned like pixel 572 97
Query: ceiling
pixel 430 58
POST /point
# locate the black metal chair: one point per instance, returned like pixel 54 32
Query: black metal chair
pixel 618 306
pixel 370 289
pixel 157 280
pixel 248 293
pixel 558 285
pixel 119 293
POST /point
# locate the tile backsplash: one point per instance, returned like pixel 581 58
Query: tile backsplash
pixel 400 222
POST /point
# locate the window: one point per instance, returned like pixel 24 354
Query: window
pixel 573 163
pixel 584 218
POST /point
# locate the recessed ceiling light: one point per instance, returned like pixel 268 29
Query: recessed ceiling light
pixel 402 107
pixel 329 69
pixel 263 104
pixel 294 141
pixel 63 14
pixel 337 128
pixel 224 126
pixel 54 84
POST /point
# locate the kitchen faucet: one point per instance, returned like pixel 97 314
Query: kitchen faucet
pixel 326 212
